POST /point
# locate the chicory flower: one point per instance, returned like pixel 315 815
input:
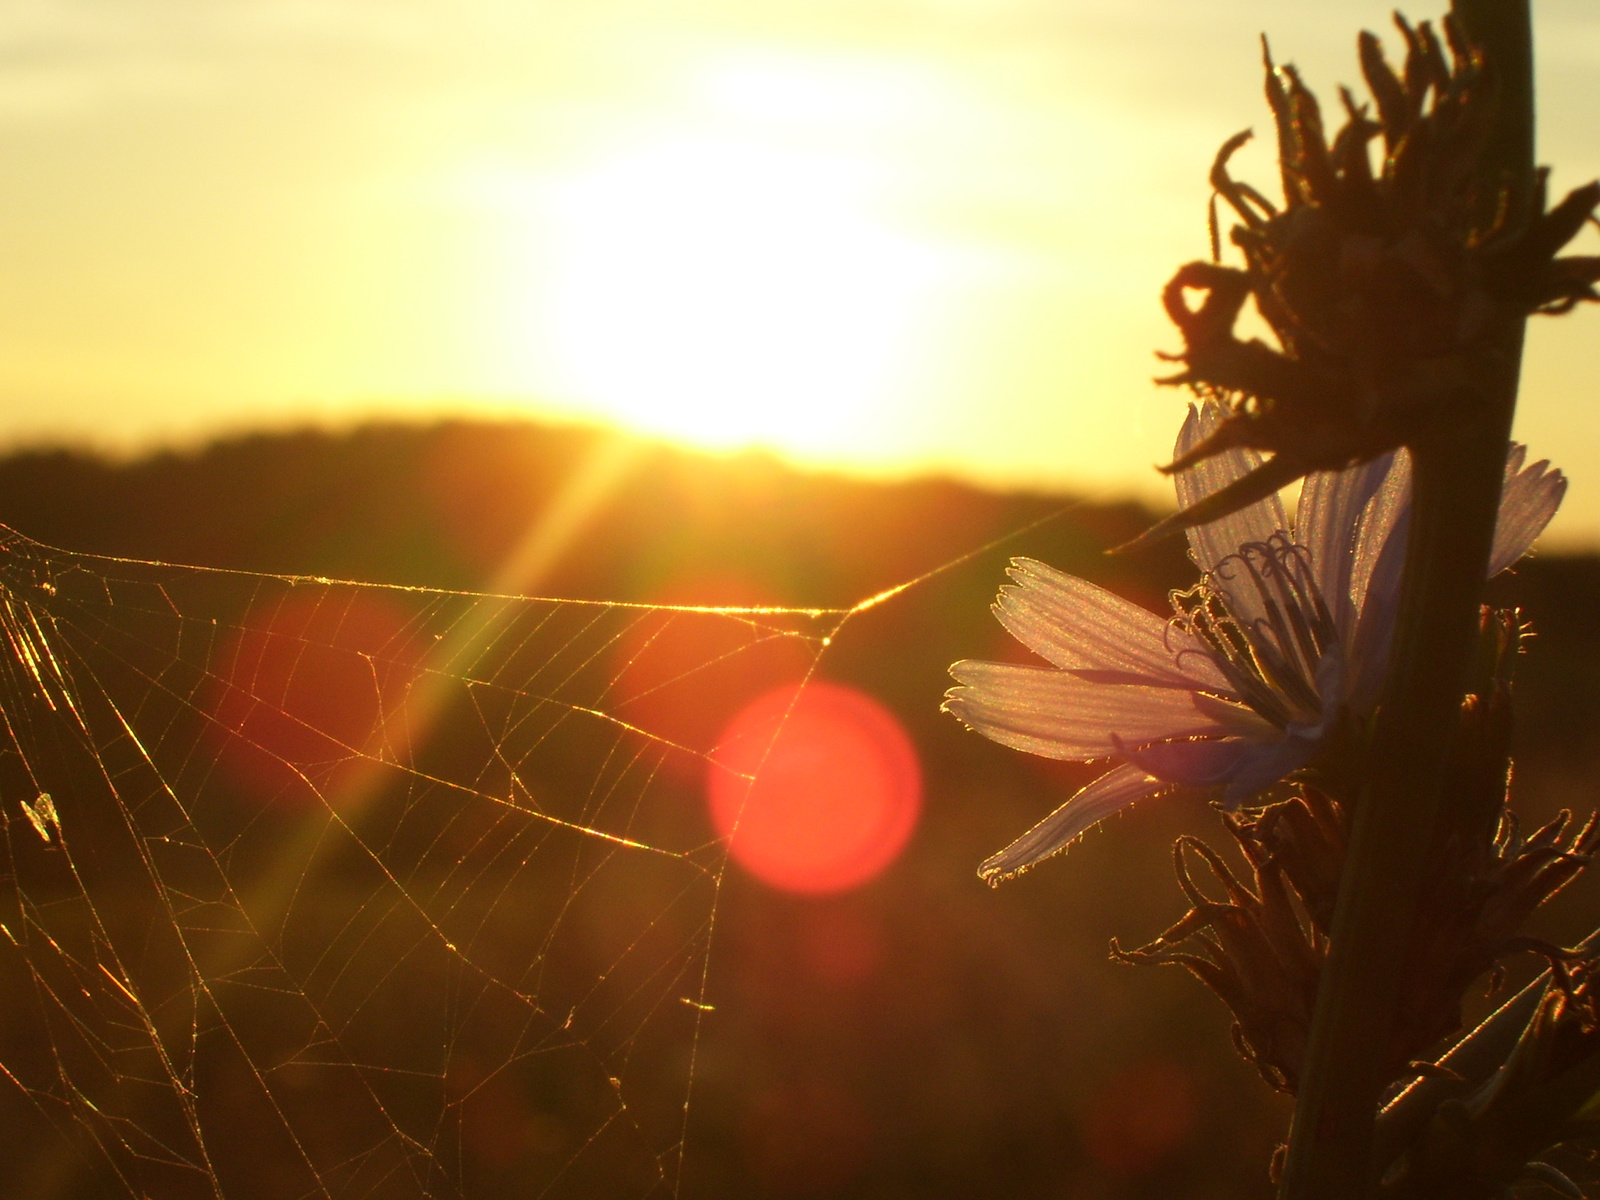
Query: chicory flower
pixel 1285 635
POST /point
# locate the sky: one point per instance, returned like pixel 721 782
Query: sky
pixel 885 236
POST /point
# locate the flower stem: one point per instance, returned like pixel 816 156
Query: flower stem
pixel 1457 473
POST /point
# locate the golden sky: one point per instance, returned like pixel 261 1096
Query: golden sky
pixel 888 235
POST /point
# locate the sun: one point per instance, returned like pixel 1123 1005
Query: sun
pixel 730 292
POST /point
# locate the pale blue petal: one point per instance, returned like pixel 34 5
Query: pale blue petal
pixel 1236 719
pixel 1391 501
pixel 1055 714
pixel 1259 771
pixel 1111 793
pixel 1528 499
pixel 1242 767
pixel 1084 628
pixel 1326 523
pixel 1368 653
pixel 1217 541
pixel 1200 764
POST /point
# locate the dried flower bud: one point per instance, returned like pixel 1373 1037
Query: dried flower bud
pixel 1262 947
pixel 1486 1139
pixel 1381 288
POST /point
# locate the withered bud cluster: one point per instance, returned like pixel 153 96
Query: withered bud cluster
pixel 1262 945
pixel 1493 1132
pixel 1381 286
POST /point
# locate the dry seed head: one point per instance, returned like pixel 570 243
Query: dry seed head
pixel 1382 287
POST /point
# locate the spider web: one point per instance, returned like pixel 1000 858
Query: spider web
pixel 318 888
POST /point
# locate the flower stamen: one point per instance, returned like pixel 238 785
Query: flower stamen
pixel 1271 660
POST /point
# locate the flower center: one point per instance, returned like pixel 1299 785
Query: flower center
pixel 1265 625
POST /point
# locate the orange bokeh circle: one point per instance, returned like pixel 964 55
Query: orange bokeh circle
pixel 301 690
pixel 816 792
pixel 681 675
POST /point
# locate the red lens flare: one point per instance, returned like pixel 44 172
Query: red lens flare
pixel 817 792
pixel 808 1137
pixel 302 689
pixel 1142 1118
pixel 682 675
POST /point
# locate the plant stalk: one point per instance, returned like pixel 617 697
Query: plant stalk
pixel 1456 479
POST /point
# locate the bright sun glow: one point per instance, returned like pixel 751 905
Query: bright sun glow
pixel 729 292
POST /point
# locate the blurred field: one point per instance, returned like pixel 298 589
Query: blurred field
pixel 921 1036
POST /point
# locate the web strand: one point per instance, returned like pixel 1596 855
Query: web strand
pixel 364 887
